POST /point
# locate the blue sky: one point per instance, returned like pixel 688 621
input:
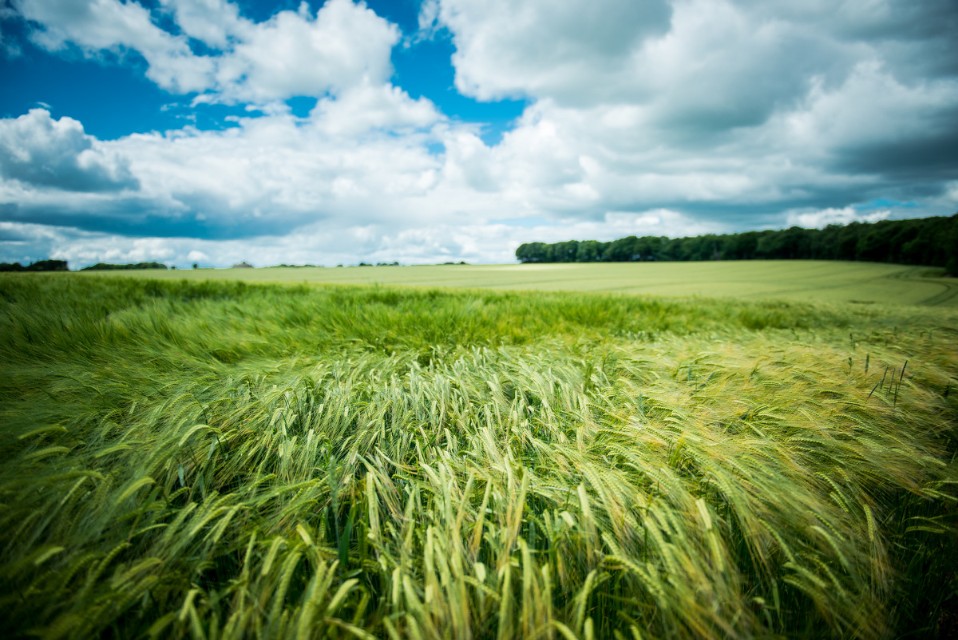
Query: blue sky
pixel 62 80
pixel 215 131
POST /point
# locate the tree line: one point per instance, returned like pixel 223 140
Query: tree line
pixel 61 265
pixel 39 265
pixel 921 241
pixel 104 266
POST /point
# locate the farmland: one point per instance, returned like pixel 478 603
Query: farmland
pixel 755 279
pixel 221 457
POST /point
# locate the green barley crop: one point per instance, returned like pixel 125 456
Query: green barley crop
pixel 802 280
pixel 216 460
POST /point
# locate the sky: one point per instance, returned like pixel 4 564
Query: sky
pixel 424 131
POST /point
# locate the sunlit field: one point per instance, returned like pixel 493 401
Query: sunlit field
pixel 215 459
pixel 755 280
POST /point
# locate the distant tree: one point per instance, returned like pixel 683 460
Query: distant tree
pixel 49 265
pixel 103 266
pixel 924 241
pixel 623 250
pixel 589 251
pixel 565 251
pixel 875 244
pixel 950 242
pixel 920 247
pixel 534 252
pixel 649 248
pixel 39 265
pixel 741 246
pixel 847 247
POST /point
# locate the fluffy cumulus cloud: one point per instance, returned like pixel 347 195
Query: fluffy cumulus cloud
pixel 717 107
pixel 37 151
pixel 110 25
pixel 575 50
pixel 366 108
pixel 294 53
pixel 662 117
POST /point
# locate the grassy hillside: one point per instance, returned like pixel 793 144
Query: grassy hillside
pixel 216 459
pixel 759 280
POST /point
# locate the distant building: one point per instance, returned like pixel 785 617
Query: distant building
pixel 242 265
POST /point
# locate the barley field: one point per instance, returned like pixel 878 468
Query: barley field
pixel 219 459
pixel 797 280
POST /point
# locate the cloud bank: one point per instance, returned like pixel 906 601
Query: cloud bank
pixel 666 118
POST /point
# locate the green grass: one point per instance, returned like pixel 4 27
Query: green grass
pixel 219 460
pixel 798 280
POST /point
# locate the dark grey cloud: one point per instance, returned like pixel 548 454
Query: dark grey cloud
pixel 12 235
pixel 929 157
pixel 38 150
pixel 900 20
pixel 916 37
pixel 138 216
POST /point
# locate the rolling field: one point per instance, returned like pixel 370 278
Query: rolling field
pixel 757 280
pixel 216 459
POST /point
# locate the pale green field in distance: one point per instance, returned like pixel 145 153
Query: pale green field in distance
pixel 788 280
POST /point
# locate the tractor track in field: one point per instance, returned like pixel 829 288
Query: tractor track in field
pixel 950 292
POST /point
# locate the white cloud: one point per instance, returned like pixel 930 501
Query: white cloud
pixel 214 22
pixel 719 68
pixel 871 105
pixel 365 108
pixel 824 217
pixel 38 150
pixel 293 54
pixel 110 25
pixel 273 174
pixel 949 198
pixel 429 17
pixel 573 49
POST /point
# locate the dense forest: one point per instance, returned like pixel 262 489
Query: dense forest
pixel 922 241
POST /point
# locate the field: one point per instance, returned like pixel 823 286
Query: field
pixel 755 279
pixel 216 459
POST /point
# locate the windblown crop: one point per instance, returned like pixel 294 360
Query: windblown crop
pixel 218 460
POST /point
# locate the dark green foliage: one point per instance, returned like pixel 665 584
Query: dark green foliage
pixel 103 266
pixel 923 241
pixel 40 265
pixel 535 252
